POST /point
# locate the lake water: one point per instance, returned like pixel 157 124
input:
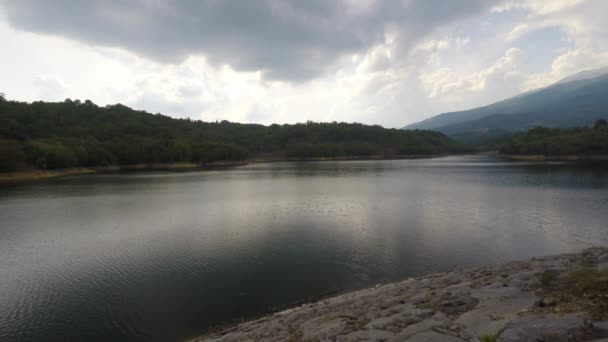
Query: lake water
pixel 161 256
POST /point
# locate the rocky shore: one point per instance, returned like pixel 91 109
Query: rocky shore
pixel 25 176
pixel 555 298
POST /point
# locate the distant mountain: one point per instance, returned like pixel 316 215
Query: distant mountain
pixel 585 74
pixel 577 100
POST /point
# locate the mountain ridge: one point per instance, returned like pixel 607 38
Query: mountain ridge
pixel 577 100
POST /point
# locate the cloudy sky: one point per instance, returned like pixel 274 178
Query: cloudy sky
pixel 379 62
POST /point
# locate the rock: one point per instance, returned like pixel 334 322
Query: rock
pixel 545 302
pixel 545 328
pixel 416 328
pixel 534 283
pixel 602 267
pixel 441 307
pixel 419 298
pixel 385 322
pixel 495 309
pixel 523 276
pixel 322 327
pixel 366 335
pixel 600 329
pixel 515 282
pixel 455 305
pixel 441 317
pixel 433 337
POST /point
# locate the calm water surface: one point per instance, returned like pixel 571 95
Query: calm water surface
pixel 161 256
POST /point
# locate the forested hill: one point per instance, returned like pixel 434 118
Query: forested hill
pixel 73 133
pixel 561 142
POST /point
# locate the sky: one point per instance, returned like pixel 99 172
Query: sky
pixel 390 63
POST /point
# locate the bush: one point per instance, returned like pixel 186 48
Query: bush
pixel 52 155
pixel 488 338
pixel 12 157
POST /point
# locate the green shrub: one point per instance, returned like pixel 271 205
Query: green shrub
pixel 11 155
pixel 488 338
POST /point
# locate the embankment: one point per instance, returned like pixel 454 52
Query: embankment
pixel 554 298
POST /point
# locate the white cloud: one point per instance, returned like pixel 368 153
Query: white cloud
pixel 49 88
pixel 435 57
pixel 446 82
pixel 569 63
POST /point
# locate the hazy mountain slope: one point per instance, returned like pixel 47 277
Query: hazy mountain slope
pixel 586 74
pixel 574 102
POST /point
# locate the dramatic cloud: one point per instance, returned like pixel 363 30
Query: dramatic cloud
pixel 389 62
pixel 286 40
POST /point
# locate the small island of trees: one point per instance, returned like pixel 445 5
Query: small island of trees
pixel 582 141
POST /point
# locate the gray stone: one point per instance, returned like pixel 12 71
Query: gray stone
pixel 479 322
pixel 524 276
pixel 545 328
pixel 515 282
pixel 322 327
pixel 470 310
pixel 384 322
pixel 457 305
pixel 366 335
pixel 441 317
pixel 419 298
pixel 417 328
pixel 545 302
pixel 431 336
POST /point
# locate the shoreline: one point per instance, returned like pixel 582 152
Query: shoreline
pixel 564 158
pixel 34 175
pixel 28 176
pixel 554 298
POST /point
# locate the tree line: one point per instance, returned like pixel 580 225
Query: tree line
pixel 552 141
pixel 50 135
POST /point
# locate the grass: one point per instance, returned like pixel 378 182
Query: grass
pixel 547 277
pixel 584 289
pixel 588 280
pixel 488 338
pixel 591 286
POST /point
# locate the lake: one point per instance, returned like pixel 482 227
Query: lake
pixel 164 256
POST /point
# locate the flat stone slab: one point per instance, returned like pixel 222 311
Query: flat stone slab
pixel 433 337
pixel 572 327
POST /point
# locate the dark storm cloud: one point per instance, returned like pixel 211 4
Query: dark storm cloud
pixel 288 40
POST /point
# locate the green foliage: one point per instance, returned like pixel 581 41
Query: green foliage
pixel 11 155
pixel 74 133
pixel 488 338
pixel 552 141
pixel 588 279
pixel 547 277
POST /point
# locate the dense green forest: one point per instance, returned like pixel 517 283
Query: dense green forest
pixel 553 141
pixel 73 133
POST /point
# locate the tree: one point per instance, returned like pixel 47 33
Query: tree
pixel 600 124
pixel 11 155
pixel 73 133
